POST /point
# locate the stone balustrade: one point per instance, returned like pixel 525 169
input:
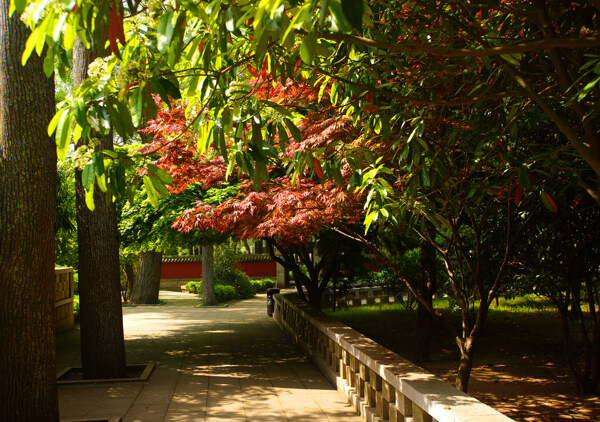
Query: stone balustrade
pixel 381 385
pixel 63 300
pixel 359 296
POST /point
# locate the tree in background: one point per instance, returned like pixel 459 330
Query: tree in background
pixel 65 227
pixel 560 260
pixel 27 211
pixel 147 230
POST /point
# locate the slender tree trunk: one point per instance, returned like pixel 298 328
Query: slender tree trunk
pixel 100 315
pixel 147 283
pixel 130 276
pixel 27 213
pixel 427 287
pixel 208 276
pixel 466 363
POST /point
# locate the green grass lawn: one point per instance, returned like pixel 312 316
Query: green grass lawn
pixel 529 320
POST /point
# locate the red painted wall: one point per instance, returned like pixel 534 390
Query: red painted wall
pixel 193 270
pixel 259 268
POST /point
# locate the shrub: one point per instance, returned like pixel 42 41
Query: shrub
pixel 194 287
pixel 224 293
pixel 262 285
pixel 228 275
pixel 242 285
pixel 224 263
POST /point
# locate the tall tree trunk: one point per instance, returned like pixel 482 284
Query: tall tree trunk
pixel 147 283
pixel 27 213
pixel 427 287
pixel 208 276
pixel 100 315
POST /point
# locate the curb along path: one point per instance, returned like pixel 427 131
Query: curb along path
pixel 212 364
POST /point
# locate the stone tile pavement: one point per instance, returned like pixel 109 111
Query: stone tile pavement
pixel 212 364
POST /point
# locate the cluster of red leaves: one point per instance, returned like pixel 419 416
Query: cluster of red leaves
pixel 318 132
pixel 280 210
pixel 292 94
pixel 177 150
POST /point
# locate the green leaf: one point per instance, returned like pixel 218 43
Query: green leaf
pixel 160 174
pixel 80 110
pixel 70 36
pixel 308 47
pixel 49 62
pixel 282 110
pixel 125 118
pixel 283 137
pixel 137 106
pixel 293 130
pixel 165 31
pixel 89 197
pixel 20 5
pixel 354 10
pixel 152 196
pixel 55 120
pixel 340 23
pixel 159 186
pixel 230 19
pixel 149 106
pixel 63 134
pixel 102 183
pixel 256 134
pixel 166 88
pixel 87 177
pixel 98 162
pixel 30 45
pixel 116 121
pixel 193 9
pixel 587 88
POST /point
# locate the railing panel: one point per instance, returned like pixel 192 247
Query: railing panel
pixel 63 299
pixel 381 385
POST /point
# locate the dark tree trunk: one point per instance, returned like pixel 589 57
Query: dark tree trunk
pixel 27 213
pixel 208 276
pixel 427 287
pixel 147 283
pixel 100 315
pixel 584 374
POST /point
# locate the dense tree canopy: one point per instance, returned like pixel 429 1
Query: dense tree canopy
pixel 377 60
pixel 458 115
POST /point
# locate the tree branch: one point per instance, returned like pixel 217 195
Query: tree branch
pixel 423 101
pixel 521 47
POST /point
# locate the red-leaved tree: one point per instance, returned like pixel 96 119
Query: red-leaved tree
pixel 288 209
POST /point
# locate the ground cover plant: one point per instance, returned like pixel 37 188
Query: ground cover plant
pixel 520 368
pixel 193 287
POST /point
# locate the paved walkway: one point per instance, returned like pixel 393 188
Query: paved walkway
pixel 212 364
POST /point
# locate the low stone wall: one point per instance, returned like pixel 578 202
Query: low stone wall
pixel 381 385
pixel 64 298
